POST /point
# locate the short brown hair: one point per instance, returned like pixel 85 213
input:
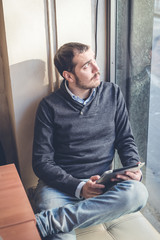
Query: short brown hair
pixel 64 56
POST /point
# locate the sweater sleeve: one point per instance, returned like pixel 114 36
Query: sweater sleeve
pixel 43 161
pixel 124 143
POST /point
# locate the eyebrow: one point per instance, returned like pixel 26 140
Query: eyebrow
pixel 89 61
pixel 86 63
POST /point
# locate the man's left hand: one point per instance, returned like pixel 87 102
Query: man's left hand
pixel 128 176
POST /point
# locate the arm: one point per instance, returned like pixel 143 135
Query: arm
pixel 43 161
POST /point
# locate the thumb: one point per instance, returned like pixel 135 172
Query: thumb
pixel 95 178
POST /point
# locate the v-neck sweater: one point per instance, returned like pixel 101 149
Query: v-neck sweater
pixel 74 142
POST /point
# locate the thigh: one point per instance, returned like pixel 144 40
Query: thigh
pixel 47 197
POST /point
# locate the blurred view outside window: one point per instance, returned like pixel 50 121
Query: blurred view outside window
pixel 138 75
pixel 153 149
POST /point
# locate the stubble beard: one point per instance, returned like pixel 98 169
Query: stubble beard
pixel 93 84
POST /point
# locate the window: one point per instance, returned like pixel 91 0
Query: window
pixel 137 72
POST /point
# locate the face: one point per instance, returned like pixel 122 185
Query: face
pixel 86 72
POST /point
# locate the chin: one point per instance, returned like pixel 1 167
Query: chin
pixel 97 82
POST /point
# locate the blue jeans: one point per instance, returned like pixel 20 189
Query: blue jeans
pixel 60 214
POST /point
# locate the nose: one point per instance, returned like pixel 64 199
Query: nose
pixel 95 67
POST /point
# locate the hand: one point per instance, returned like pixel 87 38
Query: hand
pixel 91 188
pixel 128 176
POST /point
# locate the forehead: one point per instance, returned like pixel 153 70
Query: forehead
pixel 80 59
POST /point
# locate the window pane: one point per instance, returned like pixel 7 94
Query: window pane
pixel 153 150
pixel 138 75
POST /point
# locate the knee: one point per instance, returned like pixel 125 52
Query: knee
pixel 135 195
pixel 140 193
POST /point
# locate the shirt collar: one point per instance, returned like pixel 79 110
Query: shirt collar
pixel 78 99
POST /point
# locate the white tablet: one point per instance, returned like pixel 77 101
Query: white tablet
pixel 107 175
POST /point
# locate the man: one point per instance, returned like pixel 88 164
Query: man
pixel 77 130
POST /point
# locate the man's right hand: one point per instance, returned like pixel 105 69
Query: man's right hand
pixel 91 188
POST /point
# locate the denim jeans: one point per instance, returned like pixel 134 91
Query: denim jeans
pixel 60 214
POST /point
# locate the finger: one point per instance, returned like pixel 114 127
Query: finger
pixel 133 173
pixel 123 177
pixel 94 184
pixel 98 186
pixel 95 178
pixel 130 176
pixel 134 176
pixel 115 180
pixel 95 191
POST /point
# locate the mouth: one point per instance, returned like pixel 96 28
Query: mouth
pixel 96 76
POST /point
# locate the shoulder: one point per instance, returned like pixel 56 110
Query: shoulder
pixel 53 102
pixel 109 89
pixel 51 99
pixel 109 85
pixel 46 105
pixel 57 97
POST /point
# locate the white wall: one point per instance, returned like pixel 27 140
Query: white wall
pixel 28 52
pixel 74 21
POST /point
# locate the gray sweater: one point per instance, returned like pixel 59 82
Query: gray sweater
pixel 73 142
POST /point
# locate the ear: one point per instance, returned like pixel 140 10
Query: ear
pixel 68 76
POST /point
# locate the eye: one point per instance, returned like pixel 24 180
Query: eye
pixel 86 65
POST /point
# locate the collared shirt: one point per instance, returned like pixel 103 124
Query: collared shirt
pixel 78 99
pixel 84 102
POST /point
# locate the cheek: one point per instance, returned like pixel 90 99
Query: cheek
pixel 85 75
